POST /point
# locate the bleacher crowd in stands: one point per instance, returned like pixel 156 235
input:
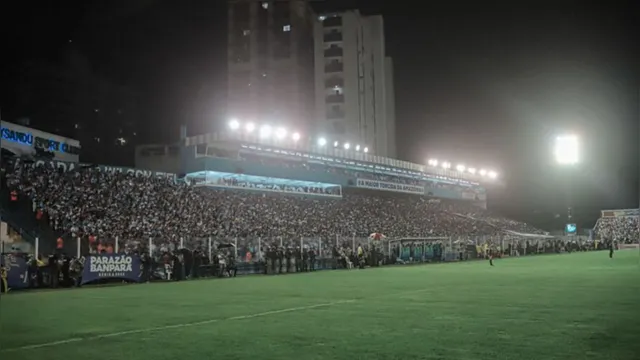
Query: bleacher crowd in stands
pixel 623 229
pixel 496 220
pixel 99 207
pixel 90 203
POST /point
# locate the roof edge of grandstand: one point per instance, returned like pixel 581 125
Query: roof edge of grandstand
pixel 222 137
pixel 378 162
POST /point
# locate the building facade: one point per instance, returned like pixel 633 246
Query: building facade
pixel 354 81
pixel 270 63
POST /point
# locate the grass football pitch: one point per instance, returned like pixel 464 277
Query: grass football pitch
pixel 569 306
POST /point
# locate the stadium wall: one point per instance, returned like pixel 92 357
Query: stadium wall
pixel 165 158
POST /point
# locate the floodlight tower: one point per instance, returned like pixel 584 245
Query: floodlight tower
pixel 566 152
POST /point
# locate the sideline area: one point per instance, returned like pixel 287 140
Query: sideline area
pixel 580 305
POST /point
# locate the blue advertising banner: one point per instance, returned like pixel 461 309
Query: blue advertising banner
pixel 17 270
pixel 111 266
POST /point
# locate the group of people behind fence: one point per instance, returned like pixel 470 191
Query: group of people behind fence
pixel 294 259
pixel 176 264
pixel 282 260
pixel 54 271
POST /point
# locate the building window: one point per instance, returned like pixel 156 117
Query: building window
pixel 339 128
pixel 332 21
pixel 286 28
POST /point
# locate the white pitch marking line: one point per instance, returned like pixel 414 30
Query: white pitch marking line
pixel 177 326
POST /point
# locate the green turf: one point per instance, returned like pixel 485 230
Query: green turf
pixel 572 306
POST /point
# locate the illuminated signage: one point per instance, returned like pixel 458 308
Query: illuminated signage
pixel 16 136
pixel 52 145
pixel 389 186
pixel 570 229
pixel 25 138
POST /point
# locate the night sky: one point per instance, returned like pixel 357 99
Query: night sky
pixel 485 84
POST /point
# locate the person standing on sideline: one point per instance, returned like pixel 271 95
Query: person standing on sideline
pixel 611 250
pixel 4 284
pixel 59 245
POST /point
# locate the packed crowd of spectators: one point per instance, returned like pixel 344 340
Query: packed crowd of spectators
pixel 623 229
pixel 495 219
pixel 89 203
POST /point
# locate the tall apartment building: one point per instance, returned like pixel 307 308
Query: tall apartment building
pixel 354 81
pixel 270 64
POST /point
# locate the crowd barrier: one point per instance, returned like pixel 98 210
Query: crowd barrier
pixel 81 246
pixel 127 262
pixel 248 248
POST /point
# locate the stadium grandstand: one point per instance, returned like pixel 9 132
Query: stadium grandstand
pixel 619 226
pixel 241 206
pixel 264 201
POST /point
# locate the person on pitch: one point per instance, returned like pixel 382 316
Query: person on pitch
pixel 4 283
pixel 611 247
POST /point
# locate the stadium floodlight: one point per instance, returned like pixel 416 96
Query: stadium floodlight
pixel 347 146
pixel 492 174
pixel 322 141
pixel 281 133
pixel 566 150
pixel 250 127
pixel 460 167
pixel 366 149
pixel 234 124
pixel 265 131
pixel 483 172
pixel 432 162
pixel 335 144
pixel 295 136
pixel 357 147
pixel 472 170
pixel 446 165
